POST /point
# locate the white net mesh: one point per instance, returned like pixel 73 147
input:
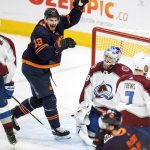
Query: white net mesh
pixel 129 43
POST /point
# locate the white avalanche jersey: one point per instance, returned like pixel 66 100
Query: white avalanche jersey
pixel 133 100
pixel 7 59
pixel 100 85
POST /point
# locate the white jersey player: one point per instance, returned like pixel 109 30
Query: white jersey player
pixel 133 98
pixel 7 58
pixel 7 69
pixel 99 89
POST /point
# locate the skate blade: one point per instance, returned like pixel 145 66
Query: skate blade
pixel 14 143
pixel 62 137
pixel 13 147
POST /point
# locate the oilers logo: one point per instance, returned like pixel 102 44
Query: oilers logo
pixel 103 91
pixel 107 137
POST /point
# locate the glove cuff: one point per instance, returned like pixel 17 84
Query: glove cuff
pixel 11 83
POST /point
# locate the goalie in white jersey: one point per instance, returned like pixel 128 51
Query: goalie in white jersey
pixel 133 98
pixel 99 90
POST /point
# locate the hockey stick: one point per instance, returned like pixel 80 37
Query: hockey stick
pixel 48 128
pixel 86 138
pixel 29 112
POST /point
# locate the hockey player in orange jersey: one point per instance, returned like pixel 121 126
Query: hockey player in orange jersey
pixel 113 136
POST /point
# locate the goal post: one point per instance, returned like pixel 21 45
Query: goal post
pixel 130 44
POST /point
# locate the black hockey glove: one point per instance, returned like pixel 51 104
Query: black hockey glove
pixel 79 4
pixel 63 44
pixel 99 137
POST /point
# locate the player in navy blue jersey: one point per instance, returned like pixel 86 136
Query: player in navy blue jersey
pixel 111 136
pixel 44 52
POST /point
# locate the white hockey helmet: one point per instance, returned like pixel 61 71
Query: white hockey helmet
pixel 114 53
pixel 141 60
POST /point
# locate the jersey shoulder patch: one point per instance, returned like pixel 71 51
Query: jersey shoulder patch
pixel 125 68
pixel 121 69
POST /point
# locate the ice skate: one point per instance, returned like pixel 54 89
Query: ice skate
pixel 15 124
pixel 14 121
pixel 61 133
pixel 10 136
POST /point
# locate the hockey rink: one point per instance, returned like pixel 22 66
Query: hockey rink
pixel 69 78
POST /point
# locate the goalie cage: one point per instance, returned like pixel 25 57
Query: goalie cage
pixel 130 44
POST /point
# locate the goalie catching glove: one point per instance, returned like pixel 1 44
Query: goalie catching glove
pixel 62 44
pixel 79 4
pixel 82 114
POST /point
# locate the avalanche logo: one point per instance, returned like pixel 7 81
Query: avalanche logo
pixel 103 91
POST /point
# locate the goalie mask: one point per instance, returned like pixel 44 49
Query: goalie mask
pixel 112 55
pixel 51 13
pixel 141 62
pixel 112 117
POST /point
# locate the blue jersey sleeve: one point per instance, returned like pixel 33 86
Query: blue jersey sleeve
pixel 72 18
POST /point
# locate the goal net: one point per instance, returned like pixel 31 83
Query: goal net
pixel 130 44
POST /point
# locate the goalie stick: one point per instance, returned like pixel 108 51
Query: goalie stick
pixel 85 138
